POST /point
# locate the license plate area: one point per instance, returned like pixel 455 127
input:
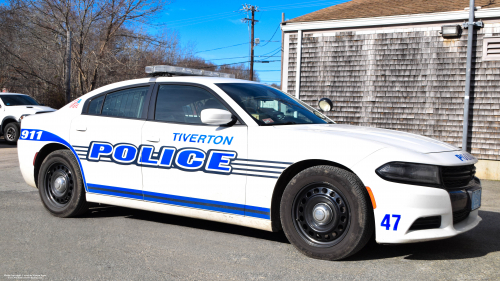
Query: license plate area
pixel 475 199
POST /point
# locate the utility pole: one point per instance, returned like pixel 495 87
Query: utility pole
pixel 252 9
pixel 68 66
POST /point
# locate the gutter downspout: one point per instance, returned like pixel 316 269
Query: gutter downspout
pixel 299 58
pixel 282 49
pixel 470 37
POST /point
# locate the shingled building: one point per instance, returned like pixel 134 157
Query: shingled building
pixel 385 64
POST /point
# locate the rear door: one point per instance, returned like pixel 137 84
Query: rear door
pixel 187 163
pixel 107 137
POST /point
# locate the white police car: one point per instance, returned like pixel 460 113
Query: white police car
pixel 244 153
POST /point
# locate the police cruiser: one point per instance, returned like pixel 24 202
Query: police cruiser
pixel 243 153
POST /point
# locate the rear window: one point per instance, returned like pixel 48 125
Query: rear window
pixel 128 103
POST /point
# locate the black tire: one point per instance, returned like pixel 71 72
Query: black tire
pixel 61 186
pixel 11 133
pixel 326 213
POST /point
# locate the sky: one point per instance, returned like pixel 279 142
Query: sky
pixel 217 24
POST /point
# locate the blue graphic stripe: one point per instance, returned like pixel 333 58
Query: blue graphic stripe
pixel 260 166
pixel 252 175
pixel 79 146
pixel 264 161
pixel 50 137
pixel 260 171
pixel 116 191
pixel 190 202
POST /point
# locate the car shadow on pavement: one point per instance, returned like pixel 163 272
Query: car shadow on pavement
pixel 478 242
pixel 112 211
pixel 4 144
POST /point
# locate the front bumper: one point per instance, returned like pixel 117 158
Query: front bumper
pixel 451 207
pixel 399 206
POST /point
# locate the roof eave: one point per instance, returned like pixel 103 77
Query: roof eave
pixel 391 20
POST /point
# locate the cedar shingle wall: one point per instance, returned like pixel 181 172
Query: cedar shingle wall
pixel 410 80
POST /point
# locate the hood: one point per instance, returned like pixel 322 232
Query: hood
pixel 386 137
pixel 27 109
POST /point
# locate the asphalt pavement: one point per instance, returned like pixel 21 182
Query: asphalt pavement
pixel 113 243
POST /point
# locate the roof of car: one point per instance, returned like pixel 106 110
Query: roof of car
pixel 203 79
pixel 183 79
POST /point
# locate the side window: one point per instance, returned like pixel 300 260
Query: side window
pixel 96 105
pixel 125 103
pixel 183 104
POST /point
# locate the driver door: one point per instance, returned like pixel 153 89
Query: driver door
pixel 178 149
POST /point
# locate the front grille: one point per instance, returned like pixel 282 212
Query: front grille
pixel 426 223
pixel 460 215
pixel 458 176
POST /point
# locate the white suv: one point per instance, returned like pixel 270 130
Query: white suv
pixel 13 108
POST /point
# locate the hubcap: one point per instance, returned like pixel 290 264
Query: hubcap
pixel 321 214
pixel 59 184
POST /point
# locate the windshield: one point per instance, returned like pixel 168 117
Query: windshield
pixel 10 100
pixel 269 106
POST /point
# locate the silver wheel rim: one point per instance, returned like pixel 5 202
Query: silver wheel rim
pixel 10 134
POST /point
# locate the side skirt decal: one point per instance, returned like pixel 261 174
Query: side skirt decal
pixel 210 205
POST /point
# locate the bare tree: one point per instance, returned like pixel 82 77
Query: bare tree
pixel 110 39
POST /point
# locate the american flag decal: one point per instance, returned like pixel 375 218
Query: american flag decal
pixel 75 103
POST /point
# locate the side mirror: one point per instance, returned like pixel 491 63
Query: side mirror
pixel 213 116
pixel 325 104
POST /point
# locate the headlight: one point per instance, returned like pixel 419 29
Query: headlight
pixel 410 173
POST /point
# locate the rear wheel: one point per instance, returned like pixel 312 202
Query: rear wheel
pixel 11 133
pixel 326 214
pixel 61 186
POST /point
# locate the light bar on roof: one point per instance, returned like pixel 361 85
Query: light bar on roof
pixel 158 70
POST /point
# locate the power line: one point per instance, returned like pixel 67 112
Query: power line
pixel 217 65
pixel 222 48
pixel 219 16
pixel 202 17
pixel 241 58
pixel 270 40
pixel 279 48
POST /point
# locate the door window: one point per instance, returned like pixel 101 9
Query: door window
pixel 183 104
pixel 127 103
pixel 96 105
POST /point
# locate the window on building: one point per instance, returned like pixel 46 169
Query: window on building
pixel 491 49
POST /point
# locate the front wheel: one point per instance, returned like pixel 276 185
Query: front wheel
pixel 11 133
pixel 326 213
pixel 61 186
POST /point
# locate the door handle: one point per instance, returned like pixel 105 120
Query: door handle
pixel 153 139
pixel 81 128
